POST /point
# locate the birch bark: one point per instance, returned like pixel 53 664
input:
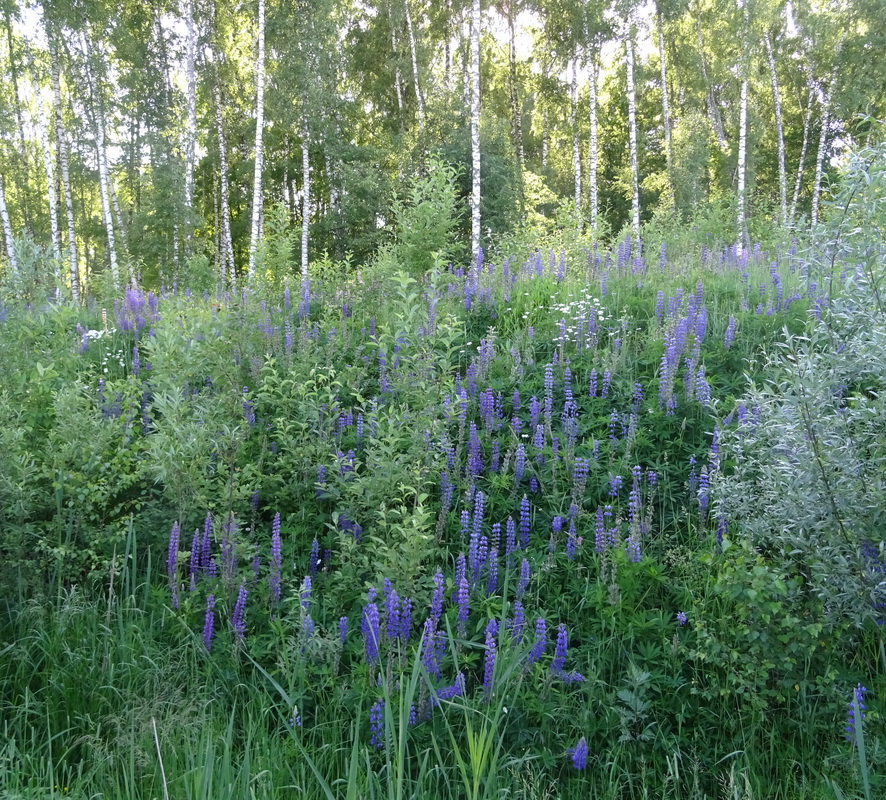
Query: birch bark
pixel 475 128
pixel 803 149
pixel 191 77
pixel 741 221
pixel 227 248
pixel 259 128
pixel 61 148
pixel 632 129
pixel 306 199
pixel 592 159
pixel 7 231
pixel 576 151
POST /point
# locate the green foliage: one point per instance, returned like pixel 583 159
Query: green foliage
pixel 426 219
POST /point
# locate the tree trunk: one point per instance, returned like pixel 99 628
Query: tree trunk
pixel 803 148
pixel 576 150
pixel 779 132
pixel 7 231
pixel 475 129
pixel 741 216
pixel 191 97
pixel 418 98
pixel 306 199
pixel 592 159
pixel 447 48
pixel 227 247
pixel 259 128
pixel 632 130
pixel 61 149
pixel 822 140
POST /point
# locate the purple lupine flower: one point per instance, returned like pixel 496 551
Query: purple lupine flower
pixel 534 412
pixel 462 601
pixel 523 581
pixel 305 594
pixel 437 597
pixel 238 620
pixel 489 659
pixel 492 571
pixel 377 725
pixel 456 690
pixel 461 571
pixel 495 456
pixel 572 541
pixel 209 622
pixel 524 523
pixel 682 618
pixel 321 479
pixel 370 630
pixel 607 383
pixel 172 563
pixel 541 641
pixel 194 562
pixel 479 502
pixel 615 483
pixel 405 619
pixel 510 540
pixel 704 490
pixel 276 559
pixel 659 304
pixel 600 532
pixel 519 463
pixel 855 721
pixel 592 384
pixel 307 630
pixel 518 623
pixel 392 611
pixel 465 523
pixel 729 336
pixel 429 658
pixel 560 650
pixel 632 547
pixel 342 630
pixel 314 557
pixel 579 753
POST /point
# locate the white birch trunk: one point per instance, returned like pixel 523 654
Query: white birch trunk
pixel 475 129
pixel 306 199
pixel 742 161
pixel 191 77
pixel 576 151
pixel 516 106
pixel 259 128
pixel 741 221
pixel 420 105
pixel 61 148
pixel 803 149
pixel 632 131
pixel 394 51
pixel 779 132
pixel 592 159
pixel 7 231
pixel 227 248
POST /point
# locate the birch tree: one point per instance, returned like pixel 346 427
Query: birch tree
pixel 632 124
pixel 306 197
pixel 61 147
pixel 592 154
pixel 191 100
pixel 7 231
pixel 475 128
pixel 741 221
pixel 576 149
pixel 51 196
pixel 255 234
